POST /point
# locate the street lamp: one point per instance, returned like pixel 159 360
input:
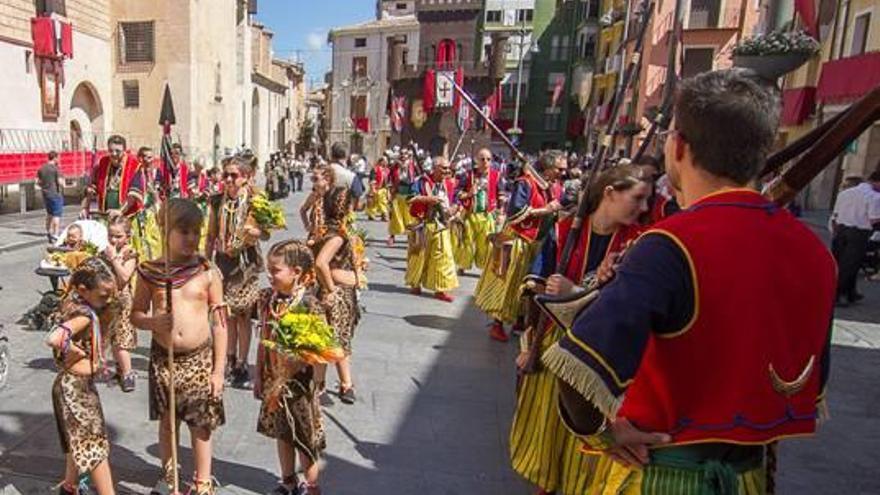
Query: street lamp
pixel 534 49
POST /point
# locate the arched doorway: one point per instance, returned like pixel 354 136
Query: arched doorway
pixel 86 114
pixel 216 144
pixel 255 121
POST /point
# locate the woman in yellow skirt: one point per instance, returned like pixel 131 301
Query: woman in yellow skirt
pixel 542 449
pixel 530 211
pixel 402 175
pixel 379 199
pixel 430 258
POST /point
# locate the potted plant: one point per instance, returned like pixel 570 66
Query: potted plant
pixel 775 54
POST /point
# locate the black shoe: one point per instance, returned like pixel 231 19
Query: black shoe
pixel 242 378
pixel 346 395
pixel 856 297
pixel 127 382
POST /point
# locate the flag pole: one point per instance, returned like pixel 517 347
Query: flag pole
pixel 166 121
pixel 467 99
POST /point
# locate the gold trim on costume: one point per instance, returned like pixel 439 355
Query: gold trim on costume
pixel 582 378
pixel 787 388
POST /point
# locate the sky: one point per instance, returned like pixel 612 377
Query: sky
pixel 301 27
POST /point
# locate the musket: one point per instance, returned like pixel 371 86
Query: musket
pixel 664 114
pixel 827 145
pixel 166 120
pixel 577 224
pixel 467 99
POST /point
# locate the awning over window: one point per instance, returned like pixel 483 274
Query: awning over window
pixel 797 105
pixel 847 79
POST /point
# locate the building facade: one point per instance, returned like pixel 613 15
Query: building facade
pixel 511 19
pixel 51 100
pixel 846 67
pixel 79 70
pixel 359 84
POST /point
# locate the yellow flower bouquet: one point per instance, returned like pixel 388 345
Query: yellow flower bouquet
pixel 269 215
pixel 304 336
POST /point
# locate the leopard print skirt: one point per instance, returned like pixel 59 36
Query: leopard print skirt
pixel 296 417
pixel 123 335
pixel 80 420
pixel 242 297
pixel 343 314
pixel 192 386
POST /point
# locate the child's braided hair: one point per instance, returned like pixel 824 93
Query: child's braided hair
pixel 295 253
pixel 91 272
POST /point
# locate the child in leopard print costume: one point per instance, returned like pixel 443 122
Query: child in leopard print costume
pixel 195 325
pixel 78 343
pixel 122 257
pixel 290 412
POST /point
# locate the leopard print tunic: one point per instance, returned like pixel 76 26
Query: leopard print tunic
pixel 192 386
pixel 75 401
pixel 80 420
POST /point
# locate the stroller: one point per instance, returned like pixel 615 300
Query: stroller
pixel 57 271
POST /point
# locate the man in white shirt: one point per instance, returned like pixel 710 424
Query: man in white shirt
pixel 343 176
pixel 856 213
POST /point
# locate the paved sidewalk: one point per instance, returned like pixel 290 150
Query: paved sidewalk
pixel 435 399
pixel 25 231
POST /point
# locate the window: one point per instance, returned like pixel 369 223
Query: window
pixel 360 42
pixel 589 48
pixel 400 6
pixel 49 7
pixel 552 118
pixel 136 42
pixel 131 94
pixel 696 61
pixel 554 48
pixel 563 52
pixel 860 34
pixel 493 16
pixel 525 15
pixel 704 14
pixel 358 106
pixel 359 67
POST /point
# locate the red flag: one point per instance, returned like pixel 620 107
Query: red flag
pixel 459 81
pixel 428 91
pixel 557 91
pixel 807 10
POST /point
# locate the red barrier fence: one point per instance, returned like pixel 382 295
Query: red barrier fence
pixel 22 167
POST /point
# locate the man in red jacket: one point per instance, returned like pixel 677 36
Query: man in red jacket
pixel 713 353
pixel 116 183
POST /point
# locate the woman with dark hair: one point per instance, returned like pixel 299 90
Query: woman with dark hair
pixel 542 450
pixel 233 244
pixel 336 270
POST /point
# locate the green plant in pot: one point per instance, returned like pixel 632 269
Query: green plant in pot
pixel 775 54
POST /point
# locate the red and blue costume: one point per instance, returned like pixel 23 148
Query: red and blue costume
pixel 708 333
